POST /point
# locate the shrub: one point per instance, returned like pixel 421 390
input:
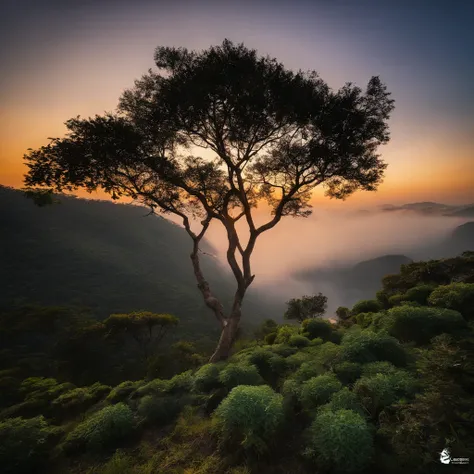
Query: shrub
pixel 270 338
pixel 328 355
pixel 456 296
pixel 42 389
pixel 382 297
pixel 155 387
pixel 321 328
pixel 24 444
pixel 283 350
pixel 291 391
pixel 318 390
pixel 396 300
pixel 343 313
pixel 340 440
pixel 380 390
pixel 298 340
pixel 81 398
pixel 367 346
pixel 251 416
pixel 206 378
pixel 379 367
pixel 181 383
pixel 101 429
pixel 119 463
pixel 348 372
pixel 366 306
pixel 270 366
pixel 123 391
pixel 239 374
pixel 308 370
pixel 344 400
pixel 422 324
pixel 364 319
pixel 419 294
pixel 284 333
pixel 159 410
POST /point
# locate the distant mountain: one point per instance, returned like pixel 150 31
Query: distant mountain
pixel 109 257
pixel 450 245
pixel 433 208
pixel 358 281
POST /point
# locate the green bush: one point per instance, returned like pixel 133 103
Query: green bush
pixel 366 306
pixel 291 390
pixel 344 400
pixel 456 296
pixel 239 374
pixel 155 387
pixel 270 338
pixel 283 350
pixel 318 390
pixel 81 398
pixel 284 333
pixel 250 416
pixel 308 370
pixel 270 366
pixel 368 346
pixel 343 313
pixel 43 389
pixel 123 391
pixel 396 300
pixel 348 372
pixel 101 429
pixel 159 410
pixel 364 320
pixel 380 390
pixel 206 378
pixel 24 444
pixel 419 294
pixel 181 383
pixel 328 355
pixel 297 340
pixel 313 328
pixel 420 325
pixel 341 441
pixel 379 367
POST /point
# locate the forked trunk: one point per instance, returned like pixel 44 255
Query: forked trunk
pixel 228 335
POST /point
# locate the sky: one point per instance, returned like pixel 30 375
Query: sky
pixel 69 58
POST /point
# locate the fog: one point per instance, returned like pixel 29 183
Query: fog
pixel 329 239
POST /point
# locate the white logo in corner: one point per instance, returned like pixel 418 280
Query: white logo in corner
pixel 445 457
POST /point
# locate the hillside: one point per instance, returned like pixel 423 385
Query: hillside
pixel 433 208
pixel 108 257
pixel 356 282
pixel 358 396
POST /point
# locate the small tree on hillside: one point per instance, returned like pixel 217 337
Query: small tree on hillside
pixel 307 307
pixel 274 135
pixel 145 328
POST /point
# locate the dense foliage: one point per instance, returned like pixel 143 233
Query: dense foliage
pixel 379 391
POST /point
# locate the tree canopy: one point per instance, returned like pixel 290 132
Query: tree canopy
pixel 307 307
pixel 274 135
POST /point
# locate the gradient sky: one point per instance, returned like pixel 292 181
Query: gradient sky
pixel 69 58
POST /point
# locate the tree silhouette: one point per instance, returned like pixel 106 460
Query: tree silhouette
pixel 275 135
pixel 307 307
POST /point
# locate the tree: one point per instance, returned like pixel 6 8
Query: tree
pixel 144 327
pixel 307 307
pixel 275 135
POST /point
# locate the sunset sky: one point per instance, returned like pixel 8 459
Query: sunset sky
pixel 69 58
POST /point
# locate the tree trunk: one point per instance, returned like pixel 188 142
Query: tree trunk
pixel 229 333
